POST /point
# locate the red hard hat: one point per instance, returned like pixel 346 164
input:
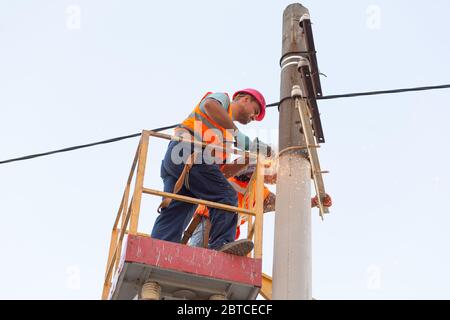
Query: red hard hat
pixel 259 97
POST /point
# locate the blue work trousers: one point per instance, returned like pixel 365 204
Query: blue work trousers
pixel 206 182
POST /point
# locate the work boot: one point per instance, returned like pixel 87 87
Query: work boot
pixel 240 247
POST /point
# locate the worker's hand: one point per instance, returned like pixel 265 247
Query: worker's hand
pixel 327 201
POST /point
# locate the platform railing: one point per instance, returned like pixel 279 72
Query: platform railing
pixel 127 219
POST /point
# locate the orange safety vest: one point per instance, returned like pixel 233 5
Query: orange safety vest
pixel 241 188
pixel 206 130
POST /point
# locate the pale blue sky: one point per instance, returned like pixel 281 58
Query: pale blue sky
pixel 143 64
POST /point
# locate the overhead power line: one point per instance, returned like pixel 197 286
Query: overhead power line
pixel 275 104
pixel 368 93
pixel 372 93
pixel 83 146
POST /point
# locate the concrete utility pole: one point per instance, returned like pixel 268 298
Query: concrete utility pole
pixel 292 262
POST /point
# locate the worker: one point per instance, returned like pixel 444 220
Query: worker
pixel 197 173
pixel 240 184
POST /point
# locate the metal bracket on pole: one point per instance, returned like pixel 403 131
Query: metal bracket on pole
pixel 304 68
pixel 305 24
pixel 311 144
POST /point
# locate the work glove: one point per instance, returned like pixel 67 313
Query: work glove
pixel 327 201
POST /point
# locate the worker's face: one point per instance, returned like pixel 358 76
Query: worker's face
pixel 248 110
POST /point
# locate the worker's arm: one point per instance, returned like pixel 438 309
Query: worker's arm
pixel 216 106
pixel 234 168
pixel 216 109
pixel 218 114
pixel 269 202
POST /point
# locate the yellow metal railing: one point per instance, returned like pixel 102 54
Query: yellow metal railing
pixel 127 218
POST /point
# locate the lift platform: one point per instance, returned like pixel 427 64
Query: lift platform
pixel 140 267
pixel 183 272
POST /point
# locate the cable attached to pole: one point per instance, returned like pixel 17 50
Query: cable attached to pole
pixel 367 93
pixel 275 104
pixel 372 93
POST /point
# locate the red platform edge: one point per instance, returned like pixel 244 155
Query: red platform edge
pixel 197 261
